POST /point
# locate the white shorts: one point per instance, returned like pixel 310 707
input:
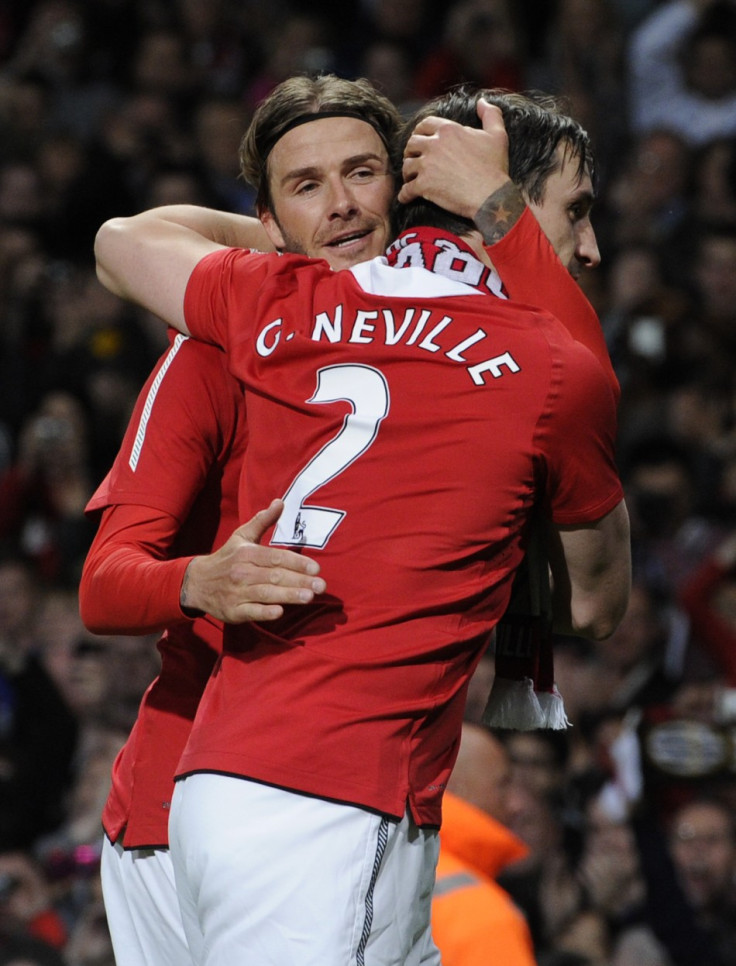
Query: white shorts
pixel 275 878
pixel 142 907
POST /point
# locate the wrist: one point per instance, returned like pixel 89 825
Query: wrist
pixel 499 212
pixel 187 594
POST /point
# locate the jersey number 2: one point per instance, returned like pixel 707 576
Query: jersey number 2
pixel 366 390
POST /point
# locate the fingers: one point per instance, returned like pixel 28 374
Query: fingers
pixel 267 575
pixel 428 126
pixel 257 612
pixel 253 530
pixel 276 560
pixel 266 601
pixel 490 115
pixel 409 189
pixel 278 569
pixel 425 130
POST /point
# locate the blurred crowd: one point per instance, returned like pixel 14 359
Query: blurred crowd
pixel 110 107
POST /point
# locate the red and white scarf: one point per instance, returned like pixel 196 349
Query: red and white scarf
pixel 444 254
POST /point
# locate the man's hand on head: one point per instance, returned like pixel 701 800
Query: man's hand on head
pixel 454 166
pixel 243 581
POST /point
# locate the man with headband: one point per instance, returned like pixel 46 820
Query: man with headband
pixel 334 719
pixel 170 495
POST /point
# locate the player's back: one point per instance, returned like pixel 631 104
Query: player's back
pixel 410 423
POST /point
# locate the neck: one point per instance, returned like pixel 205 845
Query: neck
pixel 474 240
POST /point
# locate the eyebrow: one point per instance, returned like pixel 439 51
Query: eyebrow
pixel 586 195
pixel 313 171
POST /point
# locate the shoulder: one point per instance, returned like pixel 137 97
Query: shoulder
pixel 188 370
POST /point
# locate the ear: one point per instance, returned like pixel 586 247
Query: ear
pixel 272 229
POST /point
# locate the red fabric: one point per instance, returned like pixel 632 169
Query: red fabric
pixel 532 273
pixel 125 588
pixel 172 491
pixel 360 697
pixel 474 921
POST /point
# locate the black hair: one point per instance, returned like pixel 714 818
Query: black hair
pixel 536 125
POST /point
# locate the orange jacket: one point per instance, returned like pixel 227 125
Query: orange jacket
pixel 474 921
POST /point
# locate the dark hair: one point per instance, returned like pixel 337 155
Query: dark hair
pixel 536 125
pixel 305 95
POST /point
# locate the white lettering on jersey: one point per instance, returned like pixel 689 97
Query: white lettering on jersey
pixel 419 327
pixel 324 325
pixel 362 325
pixel 456 354
pixel 494 367
pixel 392 334
pixel 135 453
pixel 427 342
pixel 263 347
pixel 365 331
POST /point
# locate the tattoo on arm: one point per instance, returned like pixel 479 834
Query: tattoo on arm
pixel 184 602
pixel 499 213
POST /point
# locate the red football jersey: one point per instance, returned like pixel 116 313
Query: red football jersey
pixel 180 457
pixel 410 423
pixel 532 273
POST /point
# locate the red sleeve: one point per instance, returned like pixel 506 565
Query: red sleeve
pixel 171 493
pixel 577 440
pixel 127 587
pixel 716 634
pixel 184 422
pixel 206 301
pixel 531 272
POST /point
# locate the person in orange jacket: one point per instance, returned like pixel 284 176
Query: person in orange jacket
pixel 474 921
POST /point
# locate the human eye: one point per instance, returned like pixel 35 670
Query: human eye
pixel 579 210
pixel 305 187
pixel 363 173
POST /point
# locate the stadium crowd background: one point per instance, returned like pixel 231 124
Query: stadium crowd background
pixel 114 106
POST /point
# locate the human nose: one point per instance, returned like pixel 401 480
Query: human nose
pixel 586 247
pixel 342 200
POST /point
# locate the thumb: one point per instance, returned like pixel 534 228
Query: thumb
pixel 253 530
pixel 491 116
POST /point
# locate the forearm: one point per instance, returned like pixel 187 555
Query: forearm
pixel 591 568
pixel 128 592
pixel 224 228
pixel 500 211
pixel 148 258
pixel 128 586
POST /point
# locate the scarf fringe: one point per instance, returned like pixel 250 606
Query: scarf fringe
pixel 514 705
pixel 553 708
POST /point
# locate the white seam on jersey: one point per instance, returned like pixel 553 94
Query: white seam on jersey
pixel 150 399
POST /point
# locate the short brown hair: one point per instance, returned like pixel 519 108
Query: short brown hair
pixel 536 124
pixel 304 95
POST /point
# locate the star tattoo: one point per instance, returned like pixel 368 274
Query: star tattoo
pixel 499 213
